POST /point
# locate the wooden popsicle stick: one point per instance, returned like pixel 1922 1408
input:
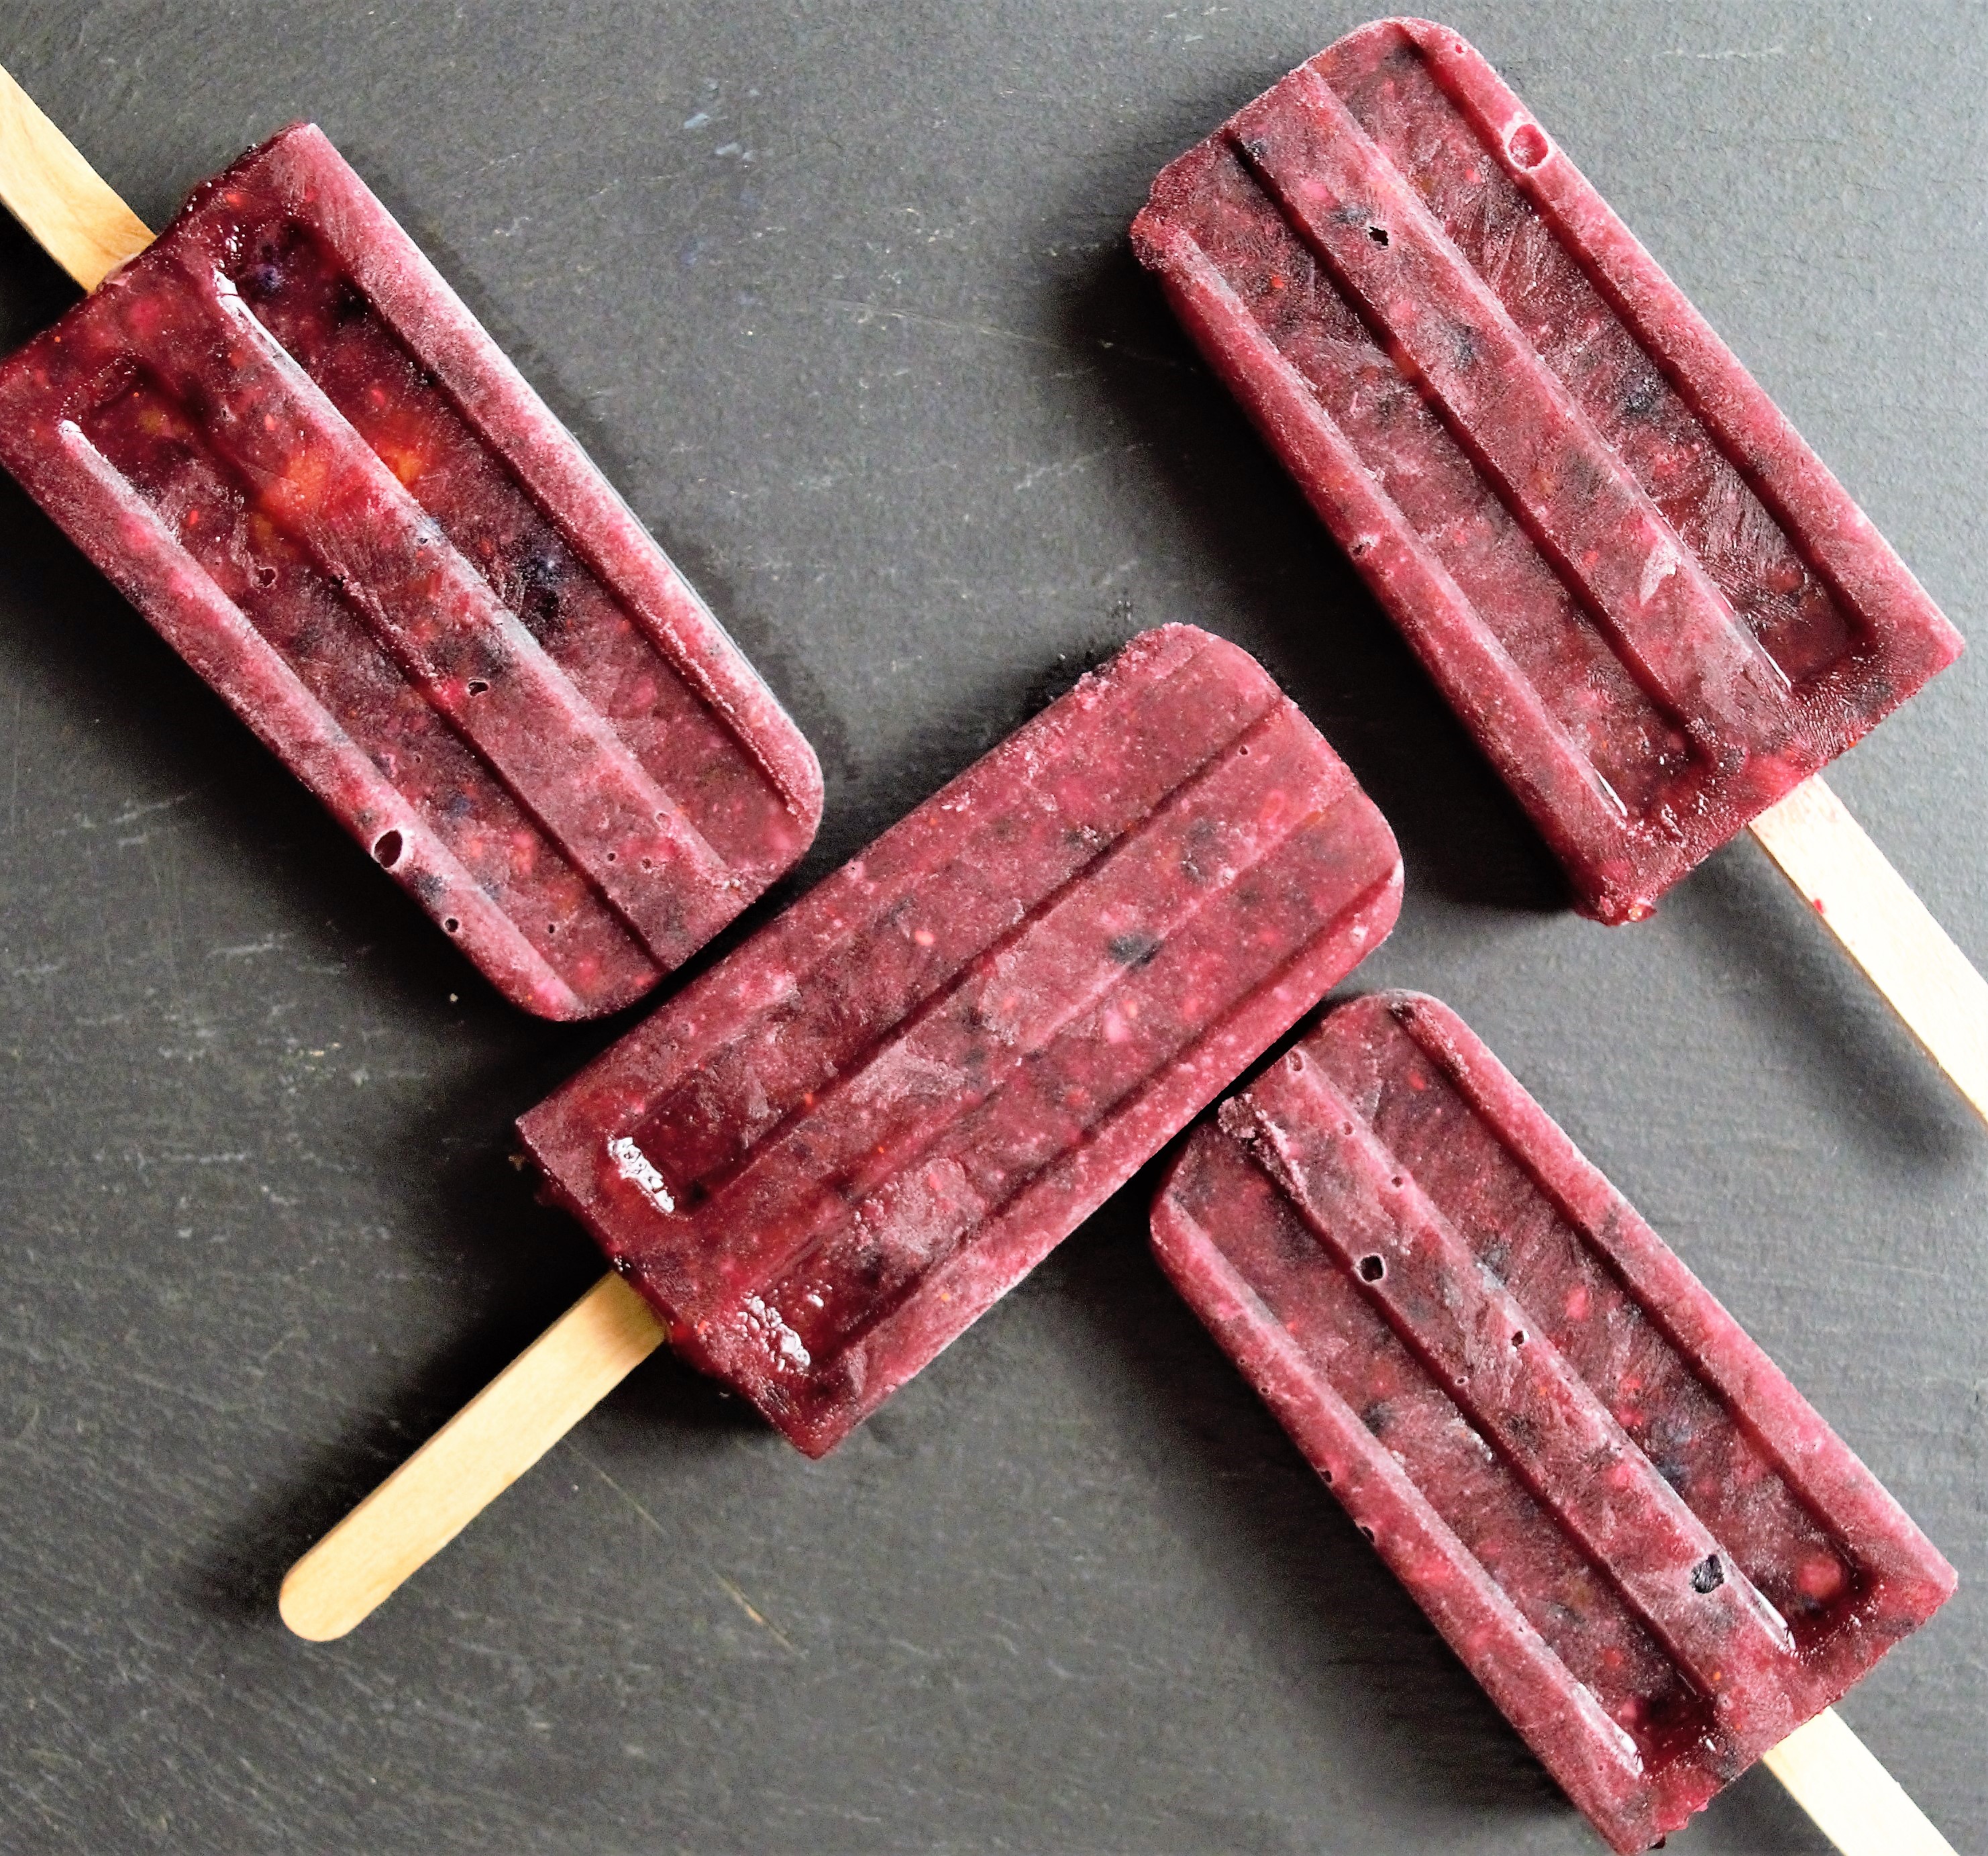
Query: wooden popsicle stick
pixel 470 1461
pixel 1886 929
pixel 1857 1804
pixel 62 200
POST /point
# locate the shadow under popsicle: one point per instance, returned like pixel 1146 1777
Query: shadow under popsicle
pixel 33 290
pixel 530 1262
pixel 1855 1058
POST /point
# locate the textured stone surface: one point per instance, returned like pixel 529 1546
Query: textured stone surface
pixel 841 298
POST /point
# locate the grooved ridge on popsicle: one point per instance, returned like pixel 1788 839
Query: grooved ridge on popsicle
pixel 289 443
pixel 828 1156
pixel 1656 608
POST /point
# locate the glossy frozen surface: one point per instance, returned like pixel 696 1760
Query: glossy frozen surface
pixel 282 436
pixel 829 1155
pixel 1645 596
pixel 1647 1546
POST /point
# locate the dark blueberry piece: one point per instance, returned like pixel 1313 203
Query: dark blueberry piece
pixel 1644 395
pixel 1134 950
pixel 541 575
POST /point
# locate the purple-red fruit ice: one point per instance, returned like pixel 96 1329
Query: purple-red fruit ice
pixel 827 1157
pixel 282 435
pixel 1646 598
pixel 1639 1537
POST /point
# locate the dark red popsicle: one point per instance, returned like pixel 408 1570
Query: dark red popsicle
pixel 1654 607
pixel 823 1159
pixel 1646 1545
pixel 282 435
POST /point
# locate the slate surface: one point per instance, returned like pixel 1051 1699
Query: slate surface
pixel 839 295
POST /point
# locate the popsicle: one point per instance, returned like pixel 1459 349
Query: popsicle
pixel 816 1165
pixel 1645 1544
pixel 282 435
pixel 1657 613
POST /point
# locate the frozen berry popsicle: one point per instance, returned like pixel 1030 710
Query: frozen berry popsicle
pixel 1655 610
pixel 823 1160
pixel 282 435
pixel 1656 1558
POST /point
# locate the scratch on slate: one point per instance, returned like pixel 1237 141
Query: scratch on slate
pixel 619 1490
pixel 746 1605
pixel 248 950
pixel 283 1340
pixel 1880 1262
pixel 205 1400
pixel 940 322
pixel 732 1591
pixel 1064 467
pixel 870 311
pixel 1771 51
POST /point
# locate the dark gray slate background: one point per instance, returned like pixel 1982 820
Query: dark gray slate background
pixel 839 295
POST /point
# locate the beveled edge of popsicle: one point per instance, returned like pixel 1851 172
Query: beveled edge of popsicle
pixel 1869 580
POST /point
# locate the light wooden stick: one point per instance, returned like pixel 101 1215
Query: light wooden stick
pixel 470 1461
pixel 1886 929
pixel 1857 1804
pixel 59 197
